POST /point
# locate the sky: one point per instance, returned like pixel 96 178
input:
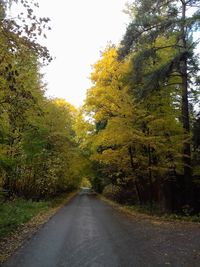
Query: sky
pixel 80 30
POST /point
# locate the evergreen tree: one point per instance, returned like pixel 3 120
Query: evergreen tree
pixel 173 20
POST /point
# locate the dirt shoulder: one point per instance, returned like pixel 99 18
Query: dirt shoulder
pixel 12 242
pixel 165 235
pixel 154 218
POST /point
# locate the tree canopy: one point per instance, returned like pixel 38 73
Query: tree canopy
pixel 38 153
pixel 140 108
pixel 136 138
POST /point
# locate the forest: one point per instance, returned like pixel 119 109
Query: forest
pixel 137 135
pixel 141 117
pixel 39 157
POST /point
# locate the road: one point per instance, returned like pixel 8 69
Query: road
pixel 89 233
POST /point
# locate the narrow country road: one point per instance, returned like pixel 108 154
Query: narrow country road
pixel 89 233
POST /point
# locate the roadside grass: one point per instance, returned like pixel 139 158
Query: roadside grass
pixel 146 211
pixel 19 211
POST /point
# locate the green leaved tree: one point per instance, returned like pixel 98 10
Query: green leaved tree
pixel 176 21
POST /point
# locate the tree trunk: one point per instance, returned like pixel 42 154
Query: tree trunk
pixel 150 176
pixel 185 113
pixel 136 183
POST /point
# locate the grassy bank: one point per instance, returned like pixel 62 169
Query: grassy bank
pixel 20 211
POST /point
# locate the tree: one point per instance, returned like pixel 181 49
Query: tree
pixel 21 33
pixel 196 144
pixel 19 81
pixel 38 153
pixel 171 19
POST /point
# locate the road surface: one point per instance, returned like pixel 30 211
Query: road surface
pixel 89 233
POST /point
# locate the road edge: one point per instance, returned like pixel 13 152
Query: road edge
pixel 24 232
pixel 154 219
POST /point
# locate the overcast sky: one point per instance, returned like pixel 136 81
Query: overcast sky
pixel 80 30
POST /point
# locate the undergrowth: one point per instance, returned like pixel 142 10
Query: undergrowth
pixel 20 211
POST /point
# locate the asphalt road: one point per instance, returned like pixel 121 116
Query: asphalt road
pixel 89 233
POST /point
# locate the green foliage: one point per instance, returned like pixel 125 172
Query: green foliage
pixel 85 182
pixel 17 212
pixel 39 156
pixel 133 132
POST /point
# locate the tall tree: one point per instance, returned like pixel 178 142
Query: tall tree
pixel 175 20
pixel 38 154
pixel 133 143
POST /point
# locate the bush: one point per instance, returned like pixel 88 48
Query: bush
pixel 112 192
pixel 122 195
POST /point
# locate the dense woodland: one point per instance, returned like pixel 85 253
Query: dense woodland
pixel 142 111
pixel 38 153
pixel 137 136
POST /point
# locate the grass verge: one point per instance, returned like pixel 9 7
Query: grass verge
pixel 20 219
pixel 18 211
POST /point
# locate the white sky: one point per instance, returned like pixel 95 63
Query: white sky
pixel 80 30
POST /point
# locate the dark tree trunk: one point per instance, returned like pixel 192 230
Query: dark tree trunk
pixel 150 175
pixel 185 113
pixel 135 181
